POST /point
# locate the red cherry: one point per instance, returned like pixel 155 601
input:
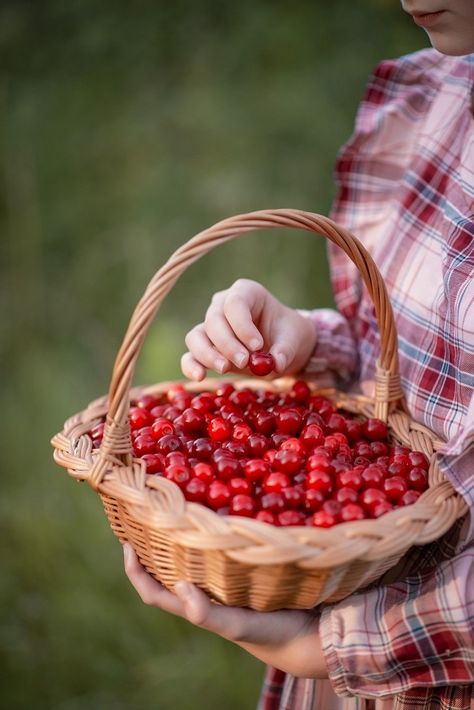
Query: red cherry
pixel 293 444
pixel 354 430
pixel 362 450
pixel 350 479
pixel 240 486
pixel 337 423
pixel 154 463
pixel 158 411
pixel 264 423
pixel 242 505
pixel 372 497
pixel 313 499
pixel 195 490
pixel 204 472
pixel 394 487
pixel 144 444
pixel 379 448
pixel 409 497
pixel 219 429
pixel 139 417
pixel 178 474
pixel 241 432
pixel 311 436
pixel 168 443
pixel 351 511
pixel 257 444
pixel 269 456
pixel 160 427
pixel 323 519
pixel 256 469
pixel 317 462
pixel 397 469
pixel 148 401
pixel 202 448
pixel 320 480
pixel 228 468
pixel 218 495
pixel 398 449
pixel 333 507
pixel 418 459
pixel 315 418
pixel 224 389
pixel 402 460
pixel 417 479
pixel 346 495
pixel 275 482
pixel 291 517
pixel 331 444
pixel 97 432
pixel 294 496
pixel 375 429
pixel 261 363
pixel 176 457
pixel 288 421
pixel 243 398
pixel 372 477
pixel 301 392
pixel 287 461
pixel 381 508
pixel 203 403
pixel 279 439
pixel 193 422
pixel 274 502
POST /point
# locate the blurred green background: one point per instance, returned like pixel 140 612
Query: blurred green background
pixel 126 127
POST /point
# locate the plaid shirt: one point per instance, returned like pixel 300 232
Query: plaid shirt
pixel 406 189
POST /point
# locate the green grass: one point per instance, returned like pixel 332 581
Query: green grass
pixel 126 128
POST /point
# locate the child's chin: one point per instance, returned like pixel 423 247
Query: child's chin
pixel 452 44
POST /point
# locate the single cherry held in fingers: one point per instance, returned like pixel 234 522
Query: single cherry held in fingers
pixel 261 363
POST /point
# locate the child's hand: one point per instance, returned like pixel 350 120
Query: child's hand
pixel 288 640
pixel 243 319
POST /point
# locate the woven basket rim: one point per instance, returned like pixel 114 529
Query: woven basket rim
pixel 302 545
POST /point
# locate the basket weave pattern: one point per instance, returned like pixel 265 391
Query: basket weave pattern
pixel 241 561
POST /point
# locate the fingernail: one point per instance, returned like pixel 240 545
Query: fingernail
pixel 256 343
pixel 240 359
pixel 280 360
pixel 127 549
pixel 220 364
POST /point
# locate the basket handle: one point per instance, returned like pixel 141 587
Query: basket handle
pixel 388 393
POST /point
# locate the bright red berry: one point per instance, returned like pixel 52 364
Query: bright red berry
pixel 256 469
pixel 139 417
pixel 219 429
pixel 261 363
pixel 291 517
pixel 242 504
pixel 323 519
pixel 375 429
pixel 218 495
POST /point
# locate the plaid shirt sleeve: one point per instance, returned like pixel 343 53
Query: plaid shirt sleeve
pixel 418 633
pixel 335 357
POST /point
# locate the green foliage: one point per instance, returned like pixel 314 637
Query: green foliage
pixel 125 129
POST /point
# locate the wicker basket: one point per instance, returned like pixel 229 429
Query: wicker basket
pixel 242 561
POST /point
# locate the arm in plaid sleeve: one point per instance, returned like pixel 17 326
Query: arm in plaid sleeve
pixel 335 354
pixel 416 633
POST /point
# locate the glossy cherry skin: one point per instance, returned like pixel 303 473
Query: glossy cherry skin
pixel 242 504
pixel 218 495
pixel 323 519
pixel 261 363
pixel 219 429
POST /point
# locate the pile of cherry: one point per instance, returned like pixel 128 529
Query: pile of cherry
pixel 285 459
